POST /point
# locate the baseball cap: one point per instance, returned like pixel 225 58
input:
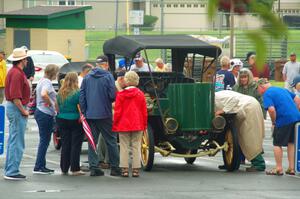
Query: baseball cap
pixel 101 59
pixel 292 54
pixel 121 73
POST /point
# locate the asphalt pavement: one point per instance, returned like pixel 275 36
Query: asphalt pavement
pixel 170 178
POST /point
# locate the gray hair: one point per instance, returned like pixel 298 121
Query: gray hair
pixel 245 71
pixel 51 71
pixel 131 78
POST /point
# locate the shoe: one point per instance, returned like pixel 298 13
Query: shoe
pixel 64 173
pixel 49 170
pixel 253 169
pixel 85 168
pixel 135 172
pixel 104 165
pixel 78 173
pixel 96 172
pixel 43 171
pixel 115 171
pixel 222 167
pixel 290 171
pixel 15 177
pixel 274 172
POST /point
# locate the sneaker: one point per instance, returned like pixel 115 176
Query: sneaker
pixel 115 172
pixel 49 170
pixel 43 171
pixel 96 172
pixel 78 173
pixel 15 177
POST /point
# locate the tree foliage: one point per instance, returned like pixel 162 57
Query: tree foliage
pixel 273 25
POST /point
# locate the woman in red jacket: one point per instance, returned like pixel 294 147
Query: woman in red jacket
pixel 130 120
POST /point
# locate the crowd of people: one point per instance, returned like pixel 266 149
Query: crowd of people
pixel 109 105
pixel 249 94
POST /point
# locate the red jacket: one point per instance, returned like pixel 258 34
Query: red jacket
pixel 130 112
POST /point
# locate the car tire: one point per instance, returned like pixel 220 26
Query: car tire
pixel 231 157
pixel 147 149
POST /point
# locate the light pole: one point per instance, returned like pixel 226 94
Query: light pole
pixel 117 15
pixel 231 28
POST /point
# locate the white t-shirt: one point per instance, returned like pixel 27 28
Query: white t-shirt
pixel 291 69
pixel 144 68
pixel 80 81
pixel 45 85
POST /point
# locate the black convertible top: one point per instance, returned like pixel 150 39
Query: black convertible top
pixel 130 45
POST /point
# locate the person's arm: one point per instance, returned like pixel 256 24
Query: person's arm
pixel 46 98
pixel 144 111
pixel 18 104
pixel 30 64
pixel 111 88
pixel 82 96
pixel 272 113
pixel 284 73
pixel 297 101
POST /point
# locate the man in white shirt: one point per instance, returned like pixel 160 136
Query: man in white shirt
pixel 85 69
pixel 290 70
pixel 140 66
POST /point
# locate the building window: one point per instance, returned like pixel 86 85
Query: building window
pixel 196 5
pixel 175 5
pixel 30 3
pixel 189 5
pixel 182 5
pixel 66 2
pixel 169 5
pixel 155 5
pixel 202 5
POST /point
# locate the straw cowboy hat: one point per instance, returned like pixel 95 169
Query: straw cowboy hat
pixel 17 54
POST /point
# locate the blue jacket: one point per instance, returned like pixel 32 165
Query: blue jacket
pixel 97 92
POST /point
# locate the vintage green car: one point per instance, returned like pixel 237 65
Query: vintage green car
pixel 181 116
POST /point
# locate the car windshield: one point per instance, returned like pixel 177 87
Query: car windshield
pixel 48 59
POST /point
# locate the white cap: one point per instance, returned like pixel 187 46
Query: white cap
pixel 235 62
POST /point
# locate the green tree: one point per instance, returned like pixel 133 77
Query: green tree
pixel 273 25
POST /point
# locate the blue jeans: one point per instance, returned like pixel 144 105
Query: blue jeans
pixel 104 126
pixel 15 142
pixel 45 123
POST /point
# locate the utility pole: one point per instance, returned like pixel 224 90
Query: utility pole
pixel 162 5
pixel 127 17
pixel 231 28
pixel 117 16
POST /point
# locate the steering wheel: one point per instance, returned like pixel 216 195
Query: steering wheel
pixel 159 85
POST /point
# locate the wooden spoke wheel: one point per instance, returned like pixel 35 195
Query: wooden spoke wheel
pixel 231 156
pixel 191 160
pixel 147 149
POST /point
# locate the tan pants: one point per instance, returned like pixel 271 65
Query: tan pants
pixel 134 140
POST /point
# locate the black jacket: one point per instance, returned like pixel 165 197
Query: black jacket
pixel 29 70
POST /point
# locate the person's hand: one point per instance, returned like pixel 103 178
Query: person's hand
pixel 219 112
pixel 25 113
pixel 31 79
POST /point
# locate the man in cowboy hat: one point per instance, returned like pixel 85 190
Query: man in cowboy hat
pixel 17 93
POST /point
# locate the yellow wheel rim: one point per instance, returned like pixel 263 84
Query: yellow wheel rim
pixel 145 148
pixel 229 152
